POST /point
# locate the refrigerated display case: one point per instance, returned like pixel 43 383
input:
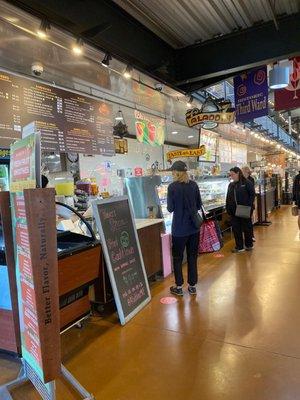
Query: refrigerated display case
pixel 162 192
pixel 213 191
pixel 4 170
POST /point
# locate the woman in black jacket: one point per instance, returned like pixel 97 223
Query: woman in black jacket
pixel 296 195
pixel 240 192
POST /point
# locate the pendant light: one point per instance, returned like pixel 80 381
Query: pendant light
pixel 279 77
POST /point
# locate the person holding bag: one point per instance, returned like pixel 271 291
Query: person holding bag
pixel 239 202
pixel 184 201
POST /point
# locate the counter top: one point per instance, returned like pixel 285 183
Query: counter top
pixel 143 223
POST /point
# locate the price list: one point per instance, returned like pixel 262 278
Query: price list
pixel 67 122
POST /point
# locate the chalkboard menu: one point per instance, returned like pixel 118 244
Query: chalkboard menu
pixel 68 122
pixel 123 256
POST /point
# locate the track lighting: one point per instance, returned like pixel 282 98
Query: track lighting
pixel 106 60
pixel 128 72
pixel 78 47
pixel 189 102
pixel 44 27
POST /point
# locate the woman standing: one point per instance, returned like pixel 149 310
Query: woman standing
pixel 240 192
pixel 296 195
pixel 184 201
pixel 247 174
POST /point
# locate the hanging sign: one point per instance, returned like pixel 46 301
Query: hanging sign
pixel 251 94
pixel 186 153
pixel 149 130
pixel 211 114
pixel 289 97
pixel 123 255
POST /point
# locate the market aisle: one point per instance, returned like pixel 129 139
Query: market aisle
pixel 239 339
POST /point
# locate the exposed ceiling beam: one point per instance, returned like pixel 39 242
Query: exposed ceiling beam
pixel 210 62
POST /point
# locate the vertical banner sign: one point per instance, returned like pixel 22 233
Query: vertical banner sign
pixel 289 97
pixel 251 94
pixel 123 255
pixel 9 315
pixel 33 218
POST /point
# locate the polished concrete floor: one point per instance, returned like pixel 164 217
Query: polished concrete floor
pixel 239 339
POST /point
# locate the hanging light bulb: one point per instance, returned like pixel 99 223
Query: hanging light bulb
pixel 128 72
pixel 78 47
pixel 119 116
pixel 279 77
pixel 44 27
pixel 106 60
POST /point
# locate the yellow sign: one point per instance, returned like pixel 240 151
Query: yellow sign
pixel 186 153
pixel 195 117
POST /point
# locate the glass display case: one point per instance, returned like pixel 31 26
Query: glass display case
pixel 162 192
pixel 213 191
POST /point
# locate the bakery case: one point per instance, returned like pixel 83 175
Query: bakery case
pixel 213 191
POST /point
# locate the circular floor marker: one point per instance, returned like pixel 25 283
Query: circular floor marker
pixel 218 255
pixel 168 300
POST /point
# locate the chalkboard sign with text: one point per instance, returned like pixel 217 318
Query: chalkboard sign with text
pixel 123 256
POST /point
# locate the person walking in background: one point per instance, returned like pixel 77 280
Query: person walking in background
pixel 296 195
pixel 184 201
pixel 247 174
pixel 240 193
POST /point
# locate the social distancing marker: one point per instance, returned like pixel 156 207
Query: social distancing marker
pixel 168 300
pixel 218 255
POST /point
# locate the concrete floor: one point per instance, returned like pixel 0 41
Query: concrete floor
pixel 239 339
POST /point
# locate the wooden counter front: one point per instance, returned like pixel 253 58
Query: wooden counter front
pixel 150 241
pixel 75 273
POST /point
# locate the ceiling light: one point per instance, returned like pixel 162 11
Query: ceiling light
pixel 128 72
pixel 174 133
pixel 191 136
pixel 278 146
pixel 189 102
pixel 252 133
pixel 256 135
pixel 107 58
pixel 44 27
pixel 119 116
pixel 78 47
pixel 279 77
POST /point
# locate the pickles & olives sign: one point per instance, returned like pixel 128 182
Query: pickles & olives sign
pixel 149 130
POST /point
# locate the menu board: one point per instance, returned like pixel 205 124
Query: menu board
pixel 225 151
pixel 123 255
pixel 68 122
pixel 209 140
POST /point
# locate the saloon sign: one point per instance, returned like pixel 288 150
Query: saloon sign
pixel 211 114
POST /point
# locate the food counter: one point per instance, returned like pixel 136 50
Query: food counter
pixel 81 267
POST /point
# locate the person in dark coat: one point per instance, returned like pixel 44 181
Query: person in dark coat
pixel 45 181
pixel 183 200
pixel 296 195
pixel 240 191
pixel 247 174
